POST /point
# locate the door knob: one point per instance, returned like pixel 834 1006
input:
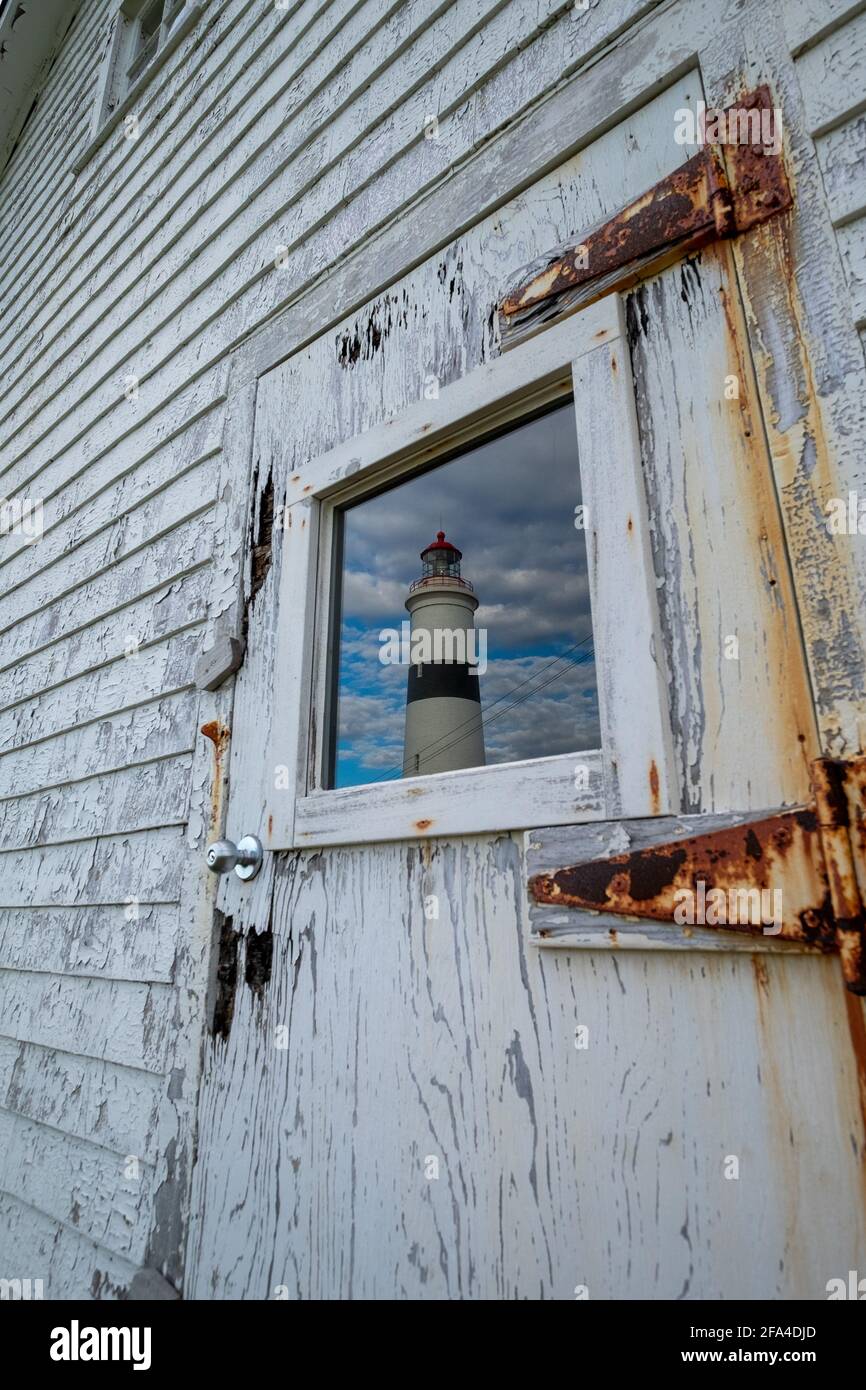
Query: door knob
pixel 245 857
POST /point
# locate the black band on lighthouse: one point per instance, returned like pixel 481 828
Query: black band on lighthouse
pixel 443 679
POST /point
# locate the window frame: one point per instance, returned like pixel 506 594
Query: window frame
pixel 633 772
pixel 113 83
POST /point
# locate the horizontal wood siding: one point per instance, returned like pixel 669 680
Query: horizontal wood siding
pixel 831 45
pixel 274 146
pixel 153 258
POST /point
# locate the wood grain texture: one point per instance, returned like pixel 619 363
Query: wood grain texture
pixel 811 382
pixel 453 1039
pixel 633 702
pixel 155 258
pixel 37 1247
pixel 852 244
pixel 842 157
pixel 831 76
pixel 112 1020
pixel 741 707
pixel 103 1102
pixel 807 22
pixel 163 728
pixel 78 1183
pixel 178 605
pixel 241 274
pixel 111 943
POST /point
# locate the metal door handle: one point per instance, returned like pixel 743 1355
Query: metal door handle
pixel 245 857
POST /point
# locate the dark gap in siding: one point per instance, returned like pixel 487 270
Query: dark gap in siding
pixel 260 954
pixel 226 976
pixel 262 542
pixel 636 316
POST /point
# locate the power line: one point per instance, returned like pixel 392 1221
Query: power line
pixel 508 697
pixel 486 722
pixel 508 702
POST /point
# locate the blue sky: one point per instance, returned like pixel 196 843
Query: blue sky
pixel 508 504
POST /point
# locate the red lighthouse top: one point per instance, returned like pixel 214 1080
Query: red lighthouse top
pixel 441 565
pixel 440 543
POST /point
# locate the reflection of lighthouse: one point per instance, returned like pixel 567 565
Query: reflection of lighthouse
pixel 443 702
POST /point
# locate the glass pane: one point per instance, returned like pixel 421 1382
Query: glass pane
pixel 146 39
pixel 151 18
pixel 465 636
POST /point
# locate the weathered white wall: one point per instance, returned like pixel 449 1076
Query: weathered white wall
pixel 379 1040
pixel 829 44
pixel 296 127
pixel 300 128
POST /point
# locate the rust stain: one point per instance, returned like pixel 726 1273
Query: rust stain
pixel 721 191
pixel 758 855
pixel 804 465
pixel 219 735
pixel 682 208
pixel 796 870
pixel 857 1029
pixel 653 777
pixel 835 784
pixel 217 732
pixel 762 978
pixel 761 520
pixel 423 824
pixel 759 183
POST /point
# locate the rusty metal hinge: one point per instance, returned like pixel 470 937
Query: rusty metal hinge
pixel 713 195
pixel 813 857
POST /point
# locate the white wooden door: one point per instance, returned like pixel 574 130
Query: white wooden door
pixel 402 1107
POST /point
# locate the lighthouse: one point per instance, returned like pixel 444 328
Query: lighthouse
pixel 443 701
